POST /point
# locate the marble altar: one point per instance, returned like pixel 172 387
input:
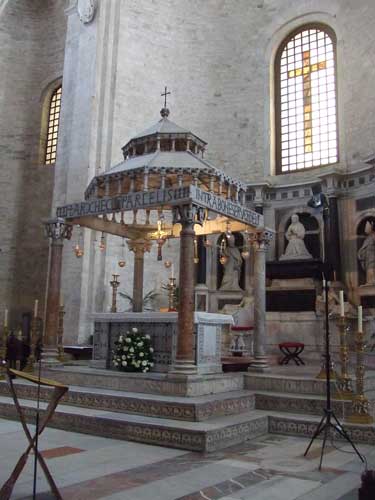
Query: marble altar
pixel 162 327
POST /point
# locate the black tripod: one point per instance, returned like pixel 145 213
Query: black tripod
pixel 329 419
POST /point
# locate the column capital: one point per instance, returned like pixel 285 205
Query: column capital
pixel 58 230
pixel 139 247
pixel 260 239
pixel 188 214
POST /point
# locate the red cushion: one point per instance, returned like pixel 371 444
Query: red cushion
pixel 241 328
pixel 291 344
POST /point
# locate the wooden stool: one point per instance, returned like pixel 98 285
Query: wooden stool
pixel 294 355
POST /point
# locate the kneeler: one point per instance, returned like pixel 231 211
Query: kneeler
pixel 58 392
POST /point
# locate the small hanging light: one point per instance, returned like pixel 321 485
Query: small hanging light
pixel 78 248
pixel 196 258
pixel 167 264
pixel 228 231
pixel 102 243
pixel 245 254
pixel 207 243
pixel 161 238
pixel 122 261
pixel 223 245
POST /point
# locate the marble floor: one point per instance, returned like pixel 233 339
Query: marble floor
pixel 270 467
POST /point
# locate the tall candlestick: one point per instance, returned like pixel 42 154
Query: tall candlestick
pixel 6 317
pixel 342 311
pixel 360 324
pixel 36 308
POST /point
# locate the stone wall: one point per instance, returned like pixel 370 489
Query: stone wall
pixel 32 38
pixel 217 58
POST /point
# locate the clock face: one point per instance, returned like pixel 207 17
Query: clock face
pixel 86 10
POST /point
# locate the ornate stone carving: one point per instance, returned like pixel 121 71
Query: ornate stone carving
pixel 185 214
pixel 366 254
pixel 57 229
pixel 232 266
pixel 86 10
pixel 260 239
pixel 296 248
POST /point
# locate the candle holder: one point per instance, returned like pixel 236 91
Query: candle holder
pixel 322 375
pixel 172 295
pixel 114 284
pixel 344 382
pixel 60 334
pixel 360 406
pixel 31 360
pixel 3 350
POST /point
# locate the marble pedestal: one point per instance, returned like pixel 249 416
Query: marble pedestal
pixel 163 329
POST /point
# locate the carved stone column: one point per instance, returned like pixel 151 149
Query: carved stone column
pixel 57 230
pixel 139 247
pixel 185 362
pixel 260 241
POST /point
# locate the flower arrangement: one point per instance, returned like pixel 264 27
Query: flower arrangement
pixel 133 352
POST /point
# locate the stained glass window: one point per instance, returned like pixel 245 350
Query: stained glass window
pixel 53 126
pixel 306 115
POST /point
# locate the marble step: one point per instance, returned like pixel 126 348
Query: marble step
pixel 282 383
pixel 197 408
pixel 208 436
pixel 147 383
pixel 310 404
pixel 305 425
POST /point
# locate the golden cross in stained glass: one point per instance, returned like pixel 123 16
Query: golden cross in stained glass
pixel 305 71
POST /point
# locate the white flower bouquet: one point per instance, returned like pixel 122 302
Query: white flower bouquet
pixel 133 352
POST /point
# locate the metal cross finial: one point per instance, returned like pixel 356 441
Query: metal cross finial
pixel 165 96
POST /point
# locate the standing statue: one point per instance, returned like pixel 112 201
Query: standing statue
pixel 232 266
pixel 366 254
pixel 296 248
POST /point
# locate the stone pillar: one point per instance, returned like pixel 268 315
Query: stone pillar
pixel 57 231
pixel 139 247
pixel 185 362
pixel 260 241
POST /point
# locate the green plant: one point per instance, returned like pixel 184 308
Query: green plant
pixel 133 352
pixel 147 299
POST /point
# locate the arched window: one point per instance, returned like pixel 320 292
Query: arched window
pixel 306 100
pixel 53 126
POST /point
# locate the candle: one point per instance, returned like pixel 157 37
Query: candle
pixel 334 276
pixel 36 308
pixel 172 271
pixel 360 319
pixel 61 301
pixel 6 318
pixel 324 289
pixel 342 312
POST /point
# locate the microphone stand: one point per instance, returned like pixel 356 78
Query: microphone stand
pixel 329 420
pixel 37 428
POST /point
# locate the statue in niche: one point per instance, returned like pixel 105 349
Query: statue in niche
pixel 366 254
pixel 296 248
pixel 232 266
